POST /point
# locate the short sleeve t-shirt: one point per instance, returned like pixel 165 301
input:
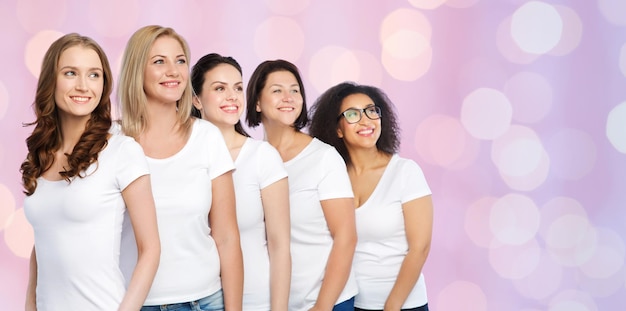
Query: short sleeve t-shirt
pixel 382 243
pixel 181 184
pixel 78 228
pixel 317 173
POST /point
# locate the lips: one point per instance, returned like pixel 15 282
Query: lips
pixel 367 131
pixel 80 99
pixel 231 108
pixel 170 83
pixel 286 109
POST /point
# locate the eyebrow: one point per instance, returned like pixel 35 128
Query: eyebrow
pixel 222 82
pixel 163 56
pixel 76 68
pixel 280 85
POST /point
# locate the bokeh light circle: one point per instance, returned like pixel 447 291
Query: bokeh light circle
pixel 616 127
pixel 477 220
pixel 514 261
pixel 514 219
pixel 509 48
pixel 19 235
pixel 460 294
pixel 486 113
pixel 36 49
pixel 543 281
pixel 125 13
pixel 36 16
pixel 536 27
pixel 572 300
pixel 608 256
pixel 574 153
pixel 614 11
pixel 279 38
pixel 572 31
pixel 334 64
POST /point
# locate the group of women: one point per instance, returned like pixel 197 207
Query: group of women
pixel 176 207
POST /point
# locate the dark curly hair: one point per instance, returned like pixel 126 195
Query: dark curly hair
pixel 257 83
pixel 46 138
pixel 205 64
pixel 326 109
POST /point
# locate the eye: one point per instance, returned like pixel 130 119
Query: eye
pixel 276 91
pixel 219 88
pixel 295 91
pixel 69 73
pixel 158 61
pixel 181 61
pixel 372 110
pixel 351 114
pixel 94 75
pixel 239 88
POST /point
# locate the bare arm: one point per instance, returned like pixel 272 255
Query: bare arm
pixel 31 303
pixel 140 205
pixel 275 199
pixel 339 214
pixel 225 232
pixel 418 224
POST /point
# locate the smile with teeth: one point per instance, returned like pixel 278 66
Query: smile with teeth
pixel 170 84
pixel 229 108
pixel 366 131
pixel 80 99
pixel 286 108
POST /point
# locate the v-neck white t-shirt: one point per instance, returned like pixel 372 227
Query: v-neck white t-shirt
pixel 181 184
pixel 78 228
pixel 317 173
pixel 257 166
pixel 382 243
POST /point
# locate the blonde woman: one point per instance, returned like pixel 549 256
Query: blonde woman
pixel 191 170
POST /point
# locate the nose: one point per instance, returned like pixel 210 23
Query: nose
pixel 288 97
pixel 81 83
pixel 172 70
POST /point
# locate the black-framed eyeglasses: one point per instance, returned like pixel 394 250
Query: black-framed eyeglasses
pixel 354 115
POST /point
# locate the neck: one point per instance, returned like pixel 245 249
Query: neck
pixel 364 159
pixel 280 136
pixel 161 118
pixel 231 137
pixel 71 130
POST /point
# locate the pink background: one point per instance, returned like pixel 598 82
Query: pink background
pixel 515 109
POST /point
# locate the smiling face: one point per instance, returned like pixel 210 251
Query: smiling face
pixel 80 81
pixel 280 100
pixel 166 72
pixel 363 134
pixel 221 99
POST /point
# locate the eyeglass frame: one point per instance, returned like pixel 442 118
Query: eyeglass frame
pixel 362 111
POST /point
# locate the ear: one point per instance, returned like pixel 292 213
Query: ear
pixel 258 106
pixel 339 133
pixel 196 102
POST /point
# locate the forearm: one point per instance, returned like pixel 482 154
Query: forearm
pixel 337 273
pixel 280 277
pixel 408 275
pixel 141 280
pixel 231 268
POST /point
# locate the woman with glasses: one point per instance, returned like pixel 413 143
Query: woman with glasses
pixel 394 214
pixel 323 235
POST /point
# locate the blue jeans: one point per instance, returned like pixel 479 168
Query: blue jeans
pixel 213 302
pixel 347 305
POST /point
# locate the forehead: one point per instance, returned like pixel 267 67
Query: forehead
pixel 80 56
pixel 282 77
pixel 166 45
pixel 223 70
pixel 357 100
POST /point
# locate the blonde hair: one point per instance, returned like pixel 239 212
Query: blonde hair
pixel 130 91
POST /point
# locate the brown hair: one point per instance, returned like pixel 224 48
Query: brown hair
pixel 46 138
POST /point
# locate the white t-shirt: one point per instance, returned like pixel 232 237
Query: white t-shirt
pixel 317 173
pixel 257 166
pixel 181 184
pixel 382 243
pixel 78 228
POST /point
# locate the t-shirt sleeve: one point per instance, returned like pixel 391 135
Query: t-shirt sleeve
pixel 270 165
pixel 220 160
pixel 335 182
pixel 131 163
pixel 414 181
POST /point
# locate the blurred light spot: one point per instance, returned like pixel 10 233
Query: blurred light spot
pixel 614 11
pixel 556 207
pixel 520 158
pixel 405 19
pixel 36 49
pixel 19 235
pixel 616 127
pixel 477 221
pixel 458 295
pixel 279 38
pixel 572 31
pixel 426 4
pixel 4 100
pixel 514 261
pixel 441 140
pixel 602 287
pixel 571 240
pixel 572 300
pixel 536 27
pixel 486 113
pixel 35 15
pixel 334 64
pixel 573 152
pixel 461 4
pixel 608 256
pixel 508 48
pixel 543 281
pixel 125 13
pixel 514 219
pixel 7 205
pixel 530 95
pixel 287 7
pixel 405 39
